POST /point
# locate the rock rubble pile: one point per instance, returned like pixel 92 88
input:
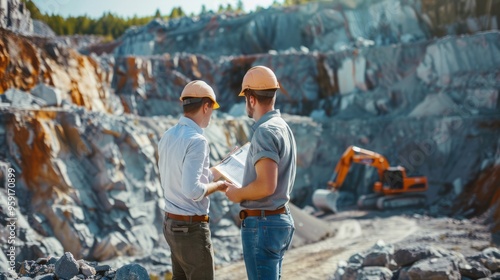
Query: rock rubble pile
pixel 384 261
pixel 67 267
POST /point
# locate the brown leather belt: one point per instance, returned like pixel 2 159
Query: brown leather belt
pixel 252 213
pixel 195 218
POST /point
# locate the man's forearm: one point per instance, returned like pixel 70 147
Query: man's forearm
pixel 217 175
pixel 256 191
pixel 215 186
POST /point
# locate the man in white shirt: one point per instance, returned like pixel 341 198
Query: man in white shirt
pixel 187 182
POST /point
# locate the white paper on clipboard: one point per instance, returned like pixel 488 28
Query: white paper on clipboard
pixel 232 167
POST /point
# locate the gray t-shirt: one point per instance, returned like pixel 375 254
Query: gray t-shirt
pixel 273 139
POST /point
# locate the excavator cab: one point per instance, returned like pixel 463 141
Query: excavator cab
pixel 395 181
pixel 393 189
pixel 393 178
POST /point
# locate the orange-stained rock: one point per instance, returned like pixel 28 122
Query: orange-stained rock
pixel 35 152
pixel 483 193
pixel 25 62
pixel 19 62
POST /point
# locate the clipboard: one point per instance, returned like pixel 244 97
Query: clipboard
pixel 233 165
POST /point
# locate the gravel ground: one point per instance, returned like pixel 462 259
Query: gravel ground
pixel 357 231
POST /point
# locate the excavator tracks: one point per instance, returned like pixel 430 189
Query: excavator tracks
pixel 400 201
pixel 368 201
pixel 381 202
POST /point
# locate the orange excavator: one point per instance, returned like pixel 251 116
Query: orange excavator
pixel 394 189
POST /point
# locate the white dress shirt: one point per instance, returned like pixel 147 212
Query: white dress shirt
pixel 184 163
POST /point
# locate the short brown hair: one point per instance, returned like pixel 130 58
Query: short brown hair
pixel 194 106
pixel 264 97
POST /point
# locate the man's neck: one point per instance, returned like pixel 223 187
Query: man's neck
pixel 261 111
pixel 197 118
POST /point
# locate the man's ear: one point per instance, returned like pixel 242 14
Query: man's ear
pixel 206 106
pixel 252 100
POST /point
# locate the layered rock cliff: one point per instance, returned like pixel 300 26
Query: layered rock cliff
pixel 80 131
pixel 28 63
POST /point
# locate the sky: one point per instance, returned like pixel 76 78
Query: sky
pixel 129 8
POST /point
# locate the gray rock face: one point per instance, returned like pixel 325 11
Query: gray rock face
pixel 21 99
pixel 132 271
pixel 400 80
pixel 66 267
pixel 87 170
pixel 474 270
pixel 108 163
pixel 409 255
pixel 374 273
pixel 435 268
pixel 49 276
pixel 42 29
pixel 50 95
pixel 377 258
pixel 319 27
pixel 15 16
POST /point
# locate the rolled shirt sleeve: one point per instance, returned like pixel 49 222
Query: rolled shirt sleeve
pixel 265 146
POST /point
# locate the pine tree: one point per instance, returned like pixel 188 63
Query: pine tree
pixel 157 13
pixel 239 6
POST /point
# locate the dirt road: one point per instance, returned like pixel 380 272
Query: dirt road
pixel 357 232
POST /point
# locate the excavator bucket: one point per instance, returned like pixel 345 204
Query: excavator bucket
pixel 325 200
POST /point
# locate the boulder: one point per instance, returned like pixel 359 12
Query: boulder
pixel 66 267
pixel 132 271
pixel 50 95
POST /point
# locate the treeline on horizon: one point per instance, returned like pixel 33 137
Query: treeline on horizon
pixel 112 26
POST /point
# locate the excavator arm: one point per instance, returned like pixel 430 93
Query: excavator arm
pixel 358 155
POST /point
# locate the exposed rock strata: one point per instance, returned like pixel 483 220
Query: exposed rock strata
pixel 25 63
pixel 81 131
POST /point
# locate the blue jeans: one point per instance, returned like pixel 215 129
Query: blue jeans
pixel 265 240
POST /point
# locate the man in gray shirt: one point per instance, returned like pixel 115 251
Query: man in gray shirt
pixel 267 225
pixel 187 182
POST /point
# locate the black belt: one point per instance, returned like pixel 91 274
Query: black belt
pixel 253 213
pixel 195 218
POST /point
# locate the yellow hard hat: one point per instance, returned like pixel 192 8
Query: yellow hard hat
pixel 259 78
pixel 199 89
